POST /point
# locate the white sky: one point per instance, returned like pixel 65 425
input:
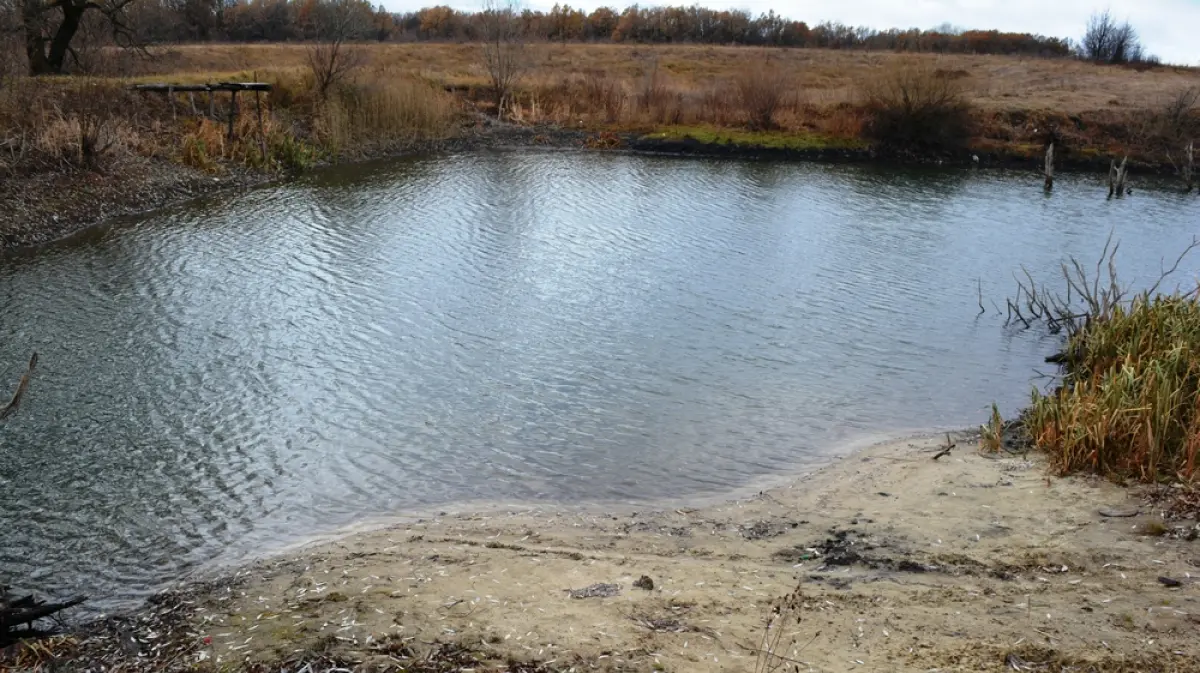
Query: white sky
pixel 1170 29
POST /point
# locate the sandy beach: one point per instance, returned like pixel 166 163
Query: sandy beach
pixel 894 561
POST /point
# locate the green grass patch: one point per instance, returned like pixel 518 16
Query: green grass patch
pixel 778 140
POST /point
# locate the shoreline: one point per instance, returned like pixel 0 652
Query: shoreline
pixel 138 186
pixel 902 562
pixel 459 508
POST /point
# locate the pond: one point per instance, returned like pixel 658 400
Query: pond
pixel 237 374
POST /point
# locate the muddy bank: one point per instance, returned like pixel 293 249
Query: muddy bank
pixel 47 207
pixel 899 562
pixel 50 206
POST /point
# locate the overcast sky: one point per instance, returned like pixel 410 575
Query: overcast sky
pixel 1169 28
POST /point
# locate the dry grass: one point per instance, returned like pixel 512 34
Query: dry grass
pixel 827 77
pixel 604 87
pixel 911 105
pixel 83 122
pixel 1129 403
pixel 1095 110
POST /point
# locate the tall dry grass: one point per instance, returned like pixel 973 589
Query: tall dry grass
pixel 1129 403
pixel 76 122
pixel 73 123
pixel 762 90
pixel 374 112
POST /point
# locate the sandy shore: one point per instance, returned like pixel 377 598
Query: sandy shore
pixel 902 563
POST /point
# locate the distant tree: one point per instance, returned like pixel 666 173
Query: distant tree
pixel 332 25
pixel 1106 41
pixel 504 57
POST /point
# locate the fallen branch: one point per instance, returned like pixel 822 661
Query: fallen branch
pixel 24 611
pixel 945 449
pixel 16 398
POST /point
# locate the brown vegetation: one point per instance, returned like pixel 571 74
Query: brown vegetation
pixel 913 106
pixel 365 99
pixel 1128 406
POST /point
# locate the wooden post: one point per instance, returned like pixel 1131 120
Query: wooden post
pixel 1189 166
pixel 192 102
pixel 1116 177
pixel 1049 166
pixel 232 111
pixel 262 134
pixel 212 111
pixel 171 95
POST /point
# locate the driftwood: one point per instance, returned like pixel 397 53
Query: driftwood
pixel 1189 166
pixel 24 611
pixel 950 444
pixel 16 398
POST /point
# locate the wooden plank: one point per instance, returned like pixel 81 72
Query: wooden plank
pixel 212 86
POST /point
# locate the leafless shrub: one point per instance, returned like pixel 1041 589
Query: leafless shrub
pixel 912 106
pixel 1090 294
pixel 1106 41
pixel 504 54
pixel 761 90
pixel 331 57
pixel 1176 122
pixel 656 100
pixel 604 93
pixel 95 114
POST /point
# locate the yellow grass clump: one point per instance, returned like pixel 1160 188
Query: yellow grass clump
pixel 1129 405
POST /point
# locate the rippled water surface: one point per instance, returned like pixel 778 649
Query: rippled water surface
pixel 237 374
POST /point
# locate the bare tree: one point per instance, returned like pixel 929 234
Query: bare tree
pixel 332 57
pixel 50 26
pixel 1106 41
pixel 504 54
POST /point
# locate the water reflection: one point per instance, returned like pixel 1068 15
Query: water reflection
pixel 228 376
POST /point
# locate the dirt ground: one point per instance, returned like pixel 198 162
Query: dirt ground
pixel 899 562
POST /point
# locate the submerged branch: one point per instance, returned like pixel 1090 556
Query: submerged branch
pixel 24 383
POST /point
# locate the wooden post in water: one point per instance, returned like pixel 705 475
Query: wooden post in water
pixel 1116 177
pixel 1049 166
pixel 1189 167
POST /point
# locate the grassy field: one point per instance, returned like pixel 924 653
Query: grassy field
pixel 820 77
pixel 1012 101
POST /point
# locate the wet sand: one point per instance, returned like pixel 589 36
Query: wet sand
pixel 902 563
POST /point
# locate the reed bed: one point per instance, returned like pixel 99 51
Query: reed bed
pixel 1128 406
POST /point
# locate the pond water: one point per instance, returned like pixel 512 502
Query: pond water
pixel 227 377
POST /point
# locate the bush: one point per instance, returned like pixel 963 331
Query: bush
pixel 602 93
pixel 1130 402
pixel 657 101
pixel 914 107
pixel 761 91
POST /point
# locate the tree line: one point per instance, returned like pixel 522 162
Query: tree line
pixel 42 27
pixel 53 33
